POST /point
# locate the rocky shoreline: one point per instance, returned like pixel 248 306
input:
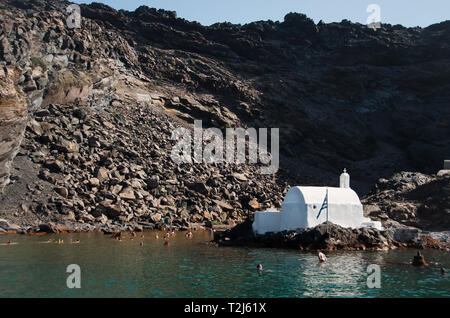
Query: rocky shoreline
pixel 58 228
pixel 323 237
pixel 329 238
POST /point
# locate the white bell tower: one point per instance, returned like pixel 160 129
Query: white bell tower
pixel 344 180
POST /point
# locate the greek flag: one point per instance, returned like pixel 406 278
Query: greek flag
pixel 324 205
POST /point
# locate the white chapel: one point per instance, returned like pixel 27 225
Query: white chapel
pixel 306 207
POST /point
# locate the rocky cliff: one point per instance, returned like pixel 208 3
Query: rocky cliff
pixel 87 113
pixel 412 199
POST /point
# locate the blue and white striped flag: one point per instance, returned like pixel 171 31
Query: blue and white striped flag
pixel 324 205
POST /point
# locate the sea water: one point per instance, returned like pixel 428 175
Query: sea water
pixel 194 268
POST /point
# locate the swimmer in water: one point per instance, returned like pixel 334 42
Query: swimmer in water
pixel 259 267
pixel 166 243
pixel 156 236
pixel 9 243
pixel 189 234
pixel 443 271
pixel 419 260
pixel 141 244
pixel 322 257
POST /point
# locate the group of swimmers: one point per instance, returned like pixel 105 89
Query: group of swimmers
pixel 167 235
pixel 322 259
pixel 418 260
pixel 120 237
pixel 58 241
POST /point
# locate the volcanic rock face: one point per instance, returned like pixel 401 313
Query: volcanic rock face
pixel 114 167
pixel 89 111
pixel 412 199
pixel 13 118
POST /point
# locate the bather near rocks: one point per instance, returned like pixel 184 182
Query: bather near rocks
pixel 419 260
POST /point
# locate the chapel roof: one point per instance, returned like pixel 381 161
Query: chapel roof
pixel 316 195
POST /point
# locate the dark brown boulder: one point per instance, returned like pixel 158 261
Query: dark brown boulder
pixel 48 228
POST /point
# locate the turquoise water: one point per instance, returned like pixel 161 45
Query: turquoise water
pixel 192 268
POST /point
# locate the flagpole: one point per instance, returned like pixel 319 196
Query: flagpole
pixel 328 202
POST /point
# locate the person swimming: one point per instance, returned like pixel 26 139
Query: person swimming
pixel 443 272
pixel 117 235
pixel 156 236
pixel 9 243
pixel 322 257
pixel 419 260
pixel 189 234
pixel 259 267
